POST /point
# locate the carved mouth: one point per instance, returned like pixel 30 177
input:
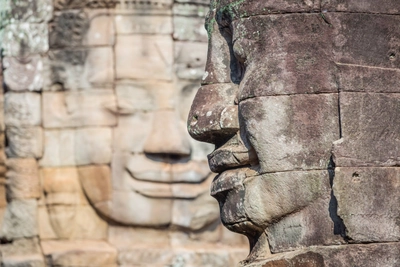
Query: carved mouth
pixel 157 179
pixel 229 180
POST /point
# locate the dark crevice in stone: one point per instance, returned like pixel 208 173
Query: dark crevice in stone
pixel 338 226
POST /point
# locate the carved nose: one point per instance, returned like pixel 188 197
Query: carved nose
pixel 213 117
pixel 168 135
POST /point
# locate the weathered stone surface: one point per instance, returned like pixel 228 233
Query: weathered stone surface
pixel 21 253
pixel 31 11
pixel 195 214
pixel 80 68
pixel 369 255
pixel 101 31
pixel 297 121
pixel 96 181
pixel 23 74
pixel 237 9
pixel 22 179
pixel 45 229
pixel 68 29
pixel 190 9
pixel 24 39
pixel 355 46
pixel 367 202
pixel 20 219
pixel 189 29
pixel 369 6
pixel 22 109
pixel 62 186
pixel 294 67
pixel 156 67
pixel 77 147
pixel 128 24
pixel 68 211
pixel 77 4
pixel 79 253
pixel 24 142
pixel 370 130
pixel 77 109
pixel 190 59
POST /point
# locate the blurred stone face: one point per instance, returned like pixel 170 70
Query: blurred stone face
pixel 274 88
pixel 117 88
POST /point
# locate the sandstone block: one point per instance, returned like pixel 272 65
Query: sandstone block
pixel 22 179
pixel 21 253
pixel 22 75
pixel 128 24
pixel 32 11
pixel 354 46
pixel 68 29
pixel 189 29
pixel 269 68
pixel 96 181
pixel 132 208
pixel 355 78
pixel 62 186
pixel 185 8
pixel 370 130
pixel 131 132
pixel 80 253
pixel 132 61
pixel 77 147
pixel 22 109
pixel 369 255
pixel 80 68
pixel 195 214
pixel 367 198
pixel 101 31
pixel 123 237
pixel 45 228
pixel 24 142
pixel 298 120
pixel 266 8
pixel 370 6
pixel 190 59
pixel 20 219
pixel 24 39
pixel 76 222
pixel 77 109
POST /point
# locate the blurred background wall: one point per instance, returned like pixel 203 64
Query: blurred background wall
pixel 97 168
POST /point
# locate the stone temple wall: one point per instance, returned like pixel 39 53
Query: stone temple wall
pixel 100 169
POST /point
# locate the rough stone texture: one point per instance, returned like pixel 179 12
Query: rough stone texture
pixel 24 142
pixel 369 255
pixel 78 109
pixel 22 252
pixel 23 74
pixel 22 179
pixel 300 99
pixel 156 67
pixel 69 213
pixel 77 147
pixel 79 253
pixel 376 141
pixel 367 202
pixel 22 109
pixel 20 219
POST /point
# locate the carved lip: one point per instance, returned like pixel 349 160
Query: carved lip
pixel 230 179
pixel 143 169
pixel 168 190
pixel 231 157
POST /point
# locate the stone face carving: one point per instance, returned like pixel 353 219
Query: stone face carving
pixel 279 91
pixel 100 168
